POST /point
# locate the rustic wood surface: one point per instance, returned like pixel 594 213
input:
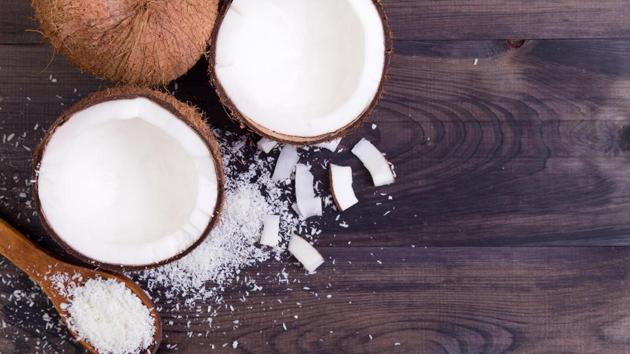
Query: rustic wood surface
pixel 509 125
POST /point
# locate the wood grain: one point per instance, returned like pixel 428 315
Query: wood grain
pixel 515 150
pixel 496 143
pixel 435 300
pixel 39 266
pixel 455 300
pixel 502 19
pixel 439 20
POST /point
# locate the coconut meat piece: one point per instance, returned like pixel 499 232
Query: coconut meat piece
pixel 301 68
pixel 331 145
pixel 375 162
pixel 266 145
pixel 305 253
pixel 271 231
pixel 307 203
pixel 287 160
pixel 127 182
pixel 341 186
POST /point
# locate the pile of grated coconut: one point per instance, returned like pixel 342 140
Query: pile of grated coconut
pixel 106 314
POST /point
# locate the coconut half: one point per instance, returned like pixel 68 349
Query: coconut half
pixel 300 71
pixel 129 178
pixel 133 41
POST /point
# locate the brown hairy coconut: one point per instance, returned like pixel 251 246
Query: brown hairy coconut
pixel 129 178
pixel 303 71
pixel 144 42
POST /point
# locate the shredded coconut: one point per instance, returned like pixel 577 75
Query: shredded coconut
pixel 110 317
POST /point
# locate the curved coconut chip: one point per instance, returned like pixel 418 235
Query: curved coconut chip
pixel 144 42
pixel 185 112
pixel 246 122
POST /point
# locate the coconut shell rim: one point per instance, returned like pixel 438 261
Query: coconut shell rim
pixel 235 114
pixel 161 99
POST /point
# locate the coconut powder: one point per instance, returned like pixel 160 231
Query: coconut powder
pixel 106 314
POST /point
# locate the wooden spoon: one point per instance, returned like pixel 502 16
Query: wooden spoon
pixel 40 266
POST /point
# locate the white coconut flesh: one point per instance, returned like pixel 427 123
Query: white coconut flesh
pixel 301 68
pixel 266 145
pixel 127 182
pixel 341 186
pixel 287 160
pixel 307 203
pixel 331 145
pixel 305 253
pixel 375 162
pixel 271 231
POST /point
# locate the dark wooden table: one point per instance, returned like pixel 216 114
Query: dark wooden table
pixel 509 124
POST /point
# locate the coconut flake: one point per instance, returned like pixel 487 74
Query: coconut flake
pixel 297 210
pixel 306 254
pixel 286 163
pixel 331 145
pixel 266 145
pixel 341 186
pixel 110 317
pixel 308 204
pixel 375 162
pixel 271 231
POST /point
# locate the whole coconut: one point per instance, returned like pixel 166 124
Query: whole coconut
pixel 146 42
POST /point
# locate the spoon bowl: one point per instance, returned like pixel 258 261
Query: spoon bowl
pixel 41 266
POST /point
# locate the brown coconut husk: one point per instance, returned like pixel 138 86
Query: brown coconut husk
pixel 246 122
pixel 143 42
pixel 187 113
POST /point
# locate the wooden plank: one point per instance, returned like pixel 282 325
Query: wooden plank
pixel 501 19
pixel 527 147
pixel 17 23
pixel 433 300
pixel 439 20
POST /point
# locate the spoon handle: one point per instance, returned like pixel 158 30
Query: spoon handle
pixel 24 254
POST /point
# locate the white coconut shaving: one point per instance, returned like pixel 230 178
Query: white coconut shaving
pixel 305 253
pixel 271 231
pixel 266 145
pixel 307 203
pixel 109 316
pixel 286 163
pixel 341 186
pixel 331 145
pixel 379 168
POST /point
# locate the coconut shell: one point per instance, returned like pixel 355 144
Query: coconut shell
pixel 246 122
pixel 187 113
pixel 143 42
